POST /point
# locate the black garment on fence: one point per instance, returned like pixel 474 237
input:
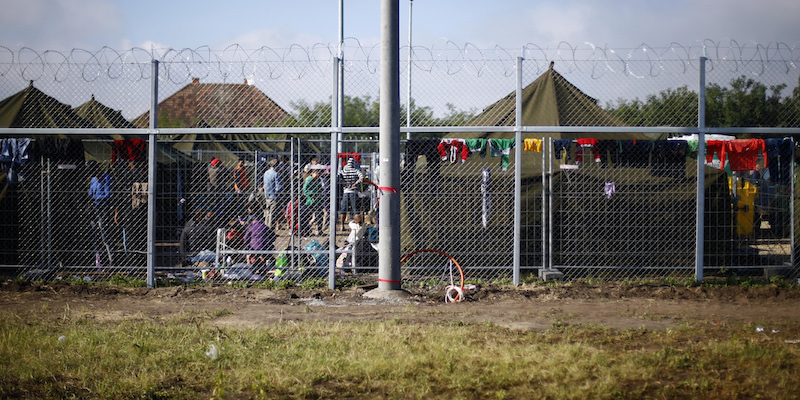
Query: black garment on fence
pixel 669 159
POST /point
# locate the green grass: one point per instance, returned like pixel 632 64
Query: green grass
pixel 166 358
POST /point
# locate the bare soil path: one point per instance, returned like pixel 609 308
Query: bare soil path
pixel 527 307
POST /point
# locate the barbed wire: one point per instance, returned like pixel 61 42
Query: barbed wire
pixel 297 61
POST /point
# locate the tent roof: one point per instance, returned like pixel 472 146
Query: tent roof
pixel 32 108
pixel 101 115
pixel 550 100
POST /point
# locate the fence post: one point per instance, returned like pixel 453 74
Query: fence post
pixel 334 174
pixel 151 178
pixel 389 221
pixel 518 174
pixel 701 172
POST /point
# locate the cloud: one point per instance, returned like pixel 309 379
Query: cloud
pixel 627 23
pixel 273 38
pixel 58 24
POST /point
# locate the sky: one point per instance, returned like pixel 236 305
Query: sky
pixel 461 25
pixel 124 24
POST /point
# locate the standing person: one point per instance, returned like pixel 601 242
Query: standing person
pixel 219 188
pixel 312 190
pixel 272 192
pixel 216 176
pixel 100 189
pixel 351 175
pixel 241 184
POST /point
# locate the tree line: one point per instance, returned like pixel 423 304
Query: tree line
pixel 745 103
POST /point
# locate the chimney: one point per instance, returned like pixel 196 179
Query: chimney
pixel 195 80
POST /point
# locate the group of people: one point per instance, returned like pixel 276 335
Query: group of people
pixel 307 211
pixel 257 228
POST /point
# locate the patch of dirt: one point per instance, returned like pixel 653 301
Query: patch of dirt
pixel 527 307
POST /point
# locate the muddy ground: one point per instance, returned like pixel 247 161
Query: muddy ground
pixel 527 307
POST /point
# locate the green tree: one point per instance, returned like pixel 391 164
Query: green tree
pixel 745 103
pixel 365 111
pixel 671 107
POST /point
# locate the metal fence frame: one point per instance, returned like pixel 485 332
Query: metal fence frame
pixel 337 131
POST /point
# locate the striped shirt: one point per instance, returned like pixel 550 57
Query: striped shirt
pixel 350 175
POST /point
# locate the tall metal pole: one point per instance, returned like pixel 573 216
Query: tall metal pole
pixel 340 80
pixel 408 107
pixel 545 145
pixel 550 157
pixel 701 172
pixel 792 255
pixel 389 224
pixel 151 177
pixel 335 131
pixel 518 174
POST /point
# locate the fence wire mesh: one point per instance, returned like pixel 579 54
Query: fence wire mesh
pixel 75 206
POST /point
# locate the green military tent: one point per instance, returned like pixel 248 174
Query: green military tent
pixel 32 108
pixel 102 116
pixel 444 200
pixel 19 204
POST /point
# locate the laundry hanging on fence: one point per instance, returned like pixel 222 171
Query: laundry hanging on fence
pixel 586 143
pixel 779 159
pixel 454 150
pixel 743 153
pixel 608 150
pixel 561 148
pixel 13 155
pixel 634 153
pixel 716 147
pixel 477 146
pixel 609 189
pixel 669 159
pixel 691 148
pixel 129 150
pixel 416 148
pixel 532 145
pixel 486 196
pixel 502 148
pixel 61 149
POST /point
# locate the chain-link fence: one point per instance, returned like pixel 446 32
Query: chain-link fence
pixel 585 182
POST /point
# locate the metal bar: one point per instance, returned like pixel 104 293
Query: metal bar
pixel 408 68
pixel 151 177
pixel 701 172
pixel 545 152
pixel 791 205
pixel 518 174
pixel 550 209
pixel 415 129
pixel 295 209
pixel 340 79
pixel 334 132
